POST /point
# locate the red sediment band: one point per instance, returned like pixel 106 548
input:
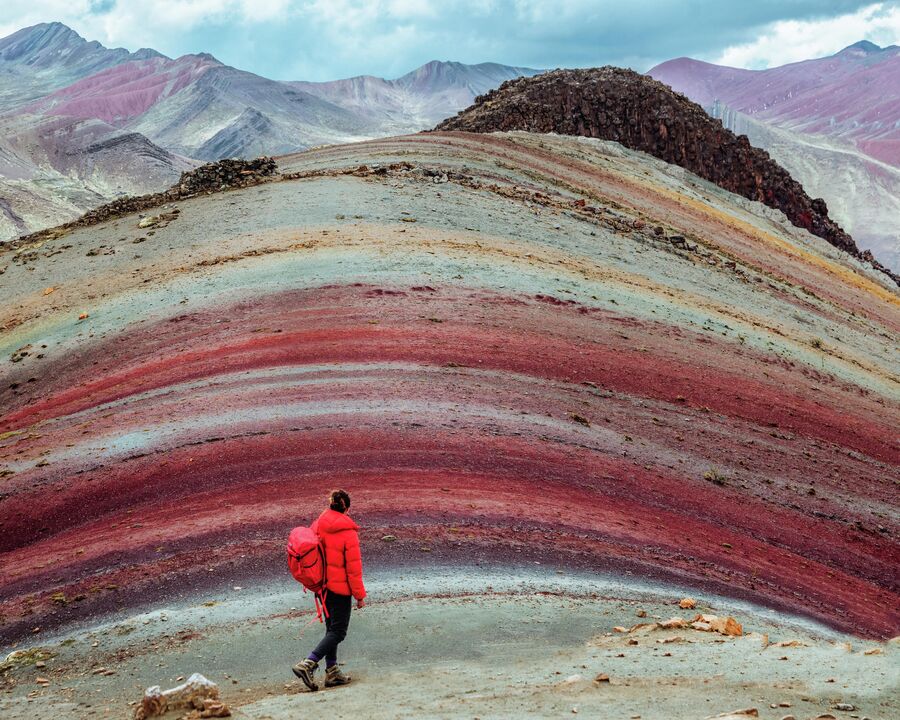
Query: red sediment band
pixel 491 466
pixel 533 339
pixel 596 504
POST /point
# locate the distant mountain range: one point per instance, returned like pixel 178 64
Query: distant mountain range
pixel 81 123
pixel 833 122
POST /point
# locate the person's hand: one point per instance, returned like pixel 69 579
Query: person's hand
pixel 360 604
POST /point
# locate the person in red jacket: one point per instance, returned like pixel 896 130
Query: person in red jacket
pixel 343 582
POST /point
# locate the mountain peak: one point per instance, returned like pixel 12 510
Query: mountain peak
pixel 56 29
pixel 863 46
pixel 37 40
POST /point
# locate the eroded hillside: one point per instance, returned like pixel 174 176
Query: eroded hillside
pixel 537 364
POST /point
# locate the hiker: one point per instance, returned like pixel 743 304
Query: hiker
pixel 343 582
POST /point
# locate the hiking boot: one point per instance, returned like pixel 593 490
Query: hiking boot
pixel 305 669
pixel 334 677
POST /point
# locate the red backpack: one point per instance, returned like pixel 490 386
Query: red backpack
pixel 306 561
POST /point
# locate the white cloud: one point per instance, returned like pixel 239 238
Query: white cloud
pixel 135 23
pixel 795 40
pixel 324 39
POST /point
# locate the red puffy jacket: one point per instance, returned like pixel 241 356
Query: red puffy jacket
pixel 341 541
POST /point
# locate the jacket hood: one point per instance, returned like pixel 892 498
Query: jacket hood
pixel 331 521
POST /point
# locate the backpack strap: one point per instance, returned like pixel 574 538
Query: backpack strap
pixel 321 594
pixel 321 608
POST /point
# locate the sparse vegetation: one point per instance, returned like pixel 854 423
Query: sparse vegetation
pixel 714 476
pixel 24 658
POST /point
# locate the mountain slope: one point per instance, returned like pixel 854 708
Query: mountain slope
pixel 183 104
pixel 643 114
pixel 53 169
pixel 834 122
pixel 853 95
pixel 40 59
pixel 190 107
pixel 563 381
pixel 863 194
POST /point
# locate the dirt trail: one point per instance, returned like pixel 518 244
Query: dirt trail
pixel 526 643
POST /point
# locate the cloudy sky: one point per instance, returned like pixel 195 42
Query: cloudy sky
pixel 326 39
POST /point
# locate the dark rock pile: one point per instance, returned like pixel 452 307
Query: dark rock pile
pixel 643 114
pixel 225 174
pixel 209 178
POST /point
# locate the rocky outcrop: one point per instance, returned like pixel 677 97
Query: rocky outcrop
pixel 643 114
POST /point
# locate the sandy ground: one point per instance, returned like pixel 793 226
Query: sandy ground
pixel 526 643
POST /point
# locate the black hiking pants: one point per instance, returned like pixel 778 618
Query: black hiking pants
pixel 336 624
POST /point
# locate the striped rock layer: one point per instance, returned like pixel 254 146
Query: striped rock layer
pixel 508 348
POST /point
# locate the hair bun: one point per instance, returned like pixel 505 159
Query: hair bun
pixel 339 500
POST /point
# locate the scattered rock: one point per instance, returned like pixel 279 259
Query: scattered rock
pixel 687 603
pixel 735 715
pixel 148 221
pixel 844 707
pixel 601 678
pixel 21 353
pixel 675 623
pixel 721 625
pixel 198 694
pixel 672 639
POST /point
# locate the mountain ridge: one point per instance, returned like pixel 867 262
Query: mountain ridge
pixel 847 104
pixel 194 106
